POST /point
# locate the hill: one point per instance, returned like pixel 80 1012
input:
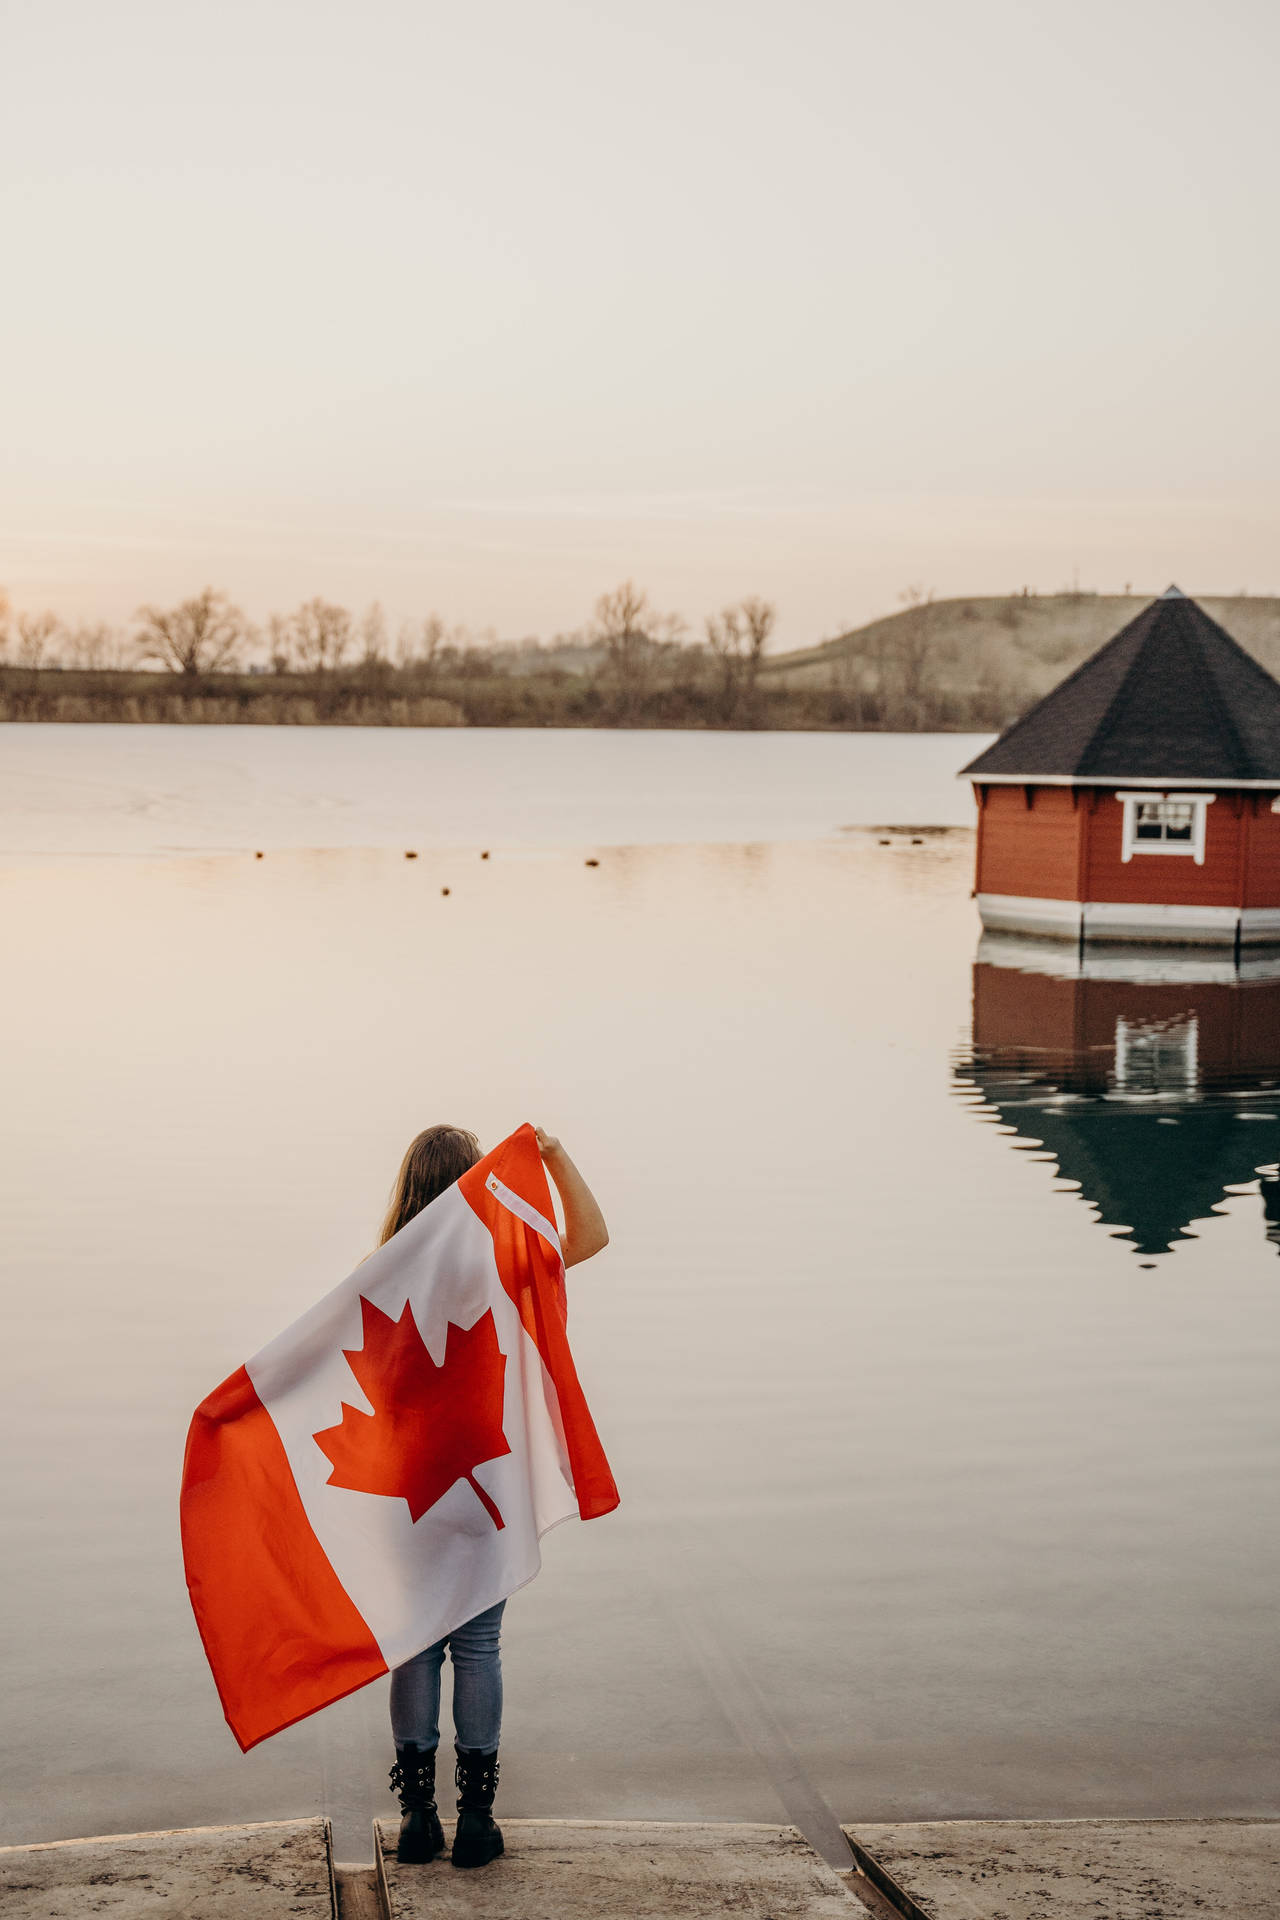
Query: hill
pixel 941 665
pixel 985 661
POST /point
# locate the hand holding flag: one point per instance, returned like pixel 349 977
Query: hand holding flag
pixel 326 1540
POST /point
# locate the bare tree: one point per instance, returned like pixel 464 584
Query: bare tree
pixel 279 643
pixel 725 638
pixel 37 634
pixel 94 646
pixel 373 635
pixel 203 635
pixel 632 634
pixel 737 638
pixel 759 618
pixel 321 635
pixel 419 644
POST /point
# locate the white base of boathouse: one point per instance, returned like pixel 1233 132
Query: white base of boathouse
pixel 1125 920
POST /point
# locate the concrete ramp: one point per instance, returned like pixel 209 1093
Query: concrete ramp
pixel 636 1870
pixel 278 1870
pixel 1077 1869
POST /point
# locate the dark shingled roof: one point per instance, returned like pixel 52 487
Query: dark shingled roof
pixel 1172 697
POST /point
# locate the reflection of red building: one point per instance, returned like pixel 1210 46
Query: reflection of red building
pixel 1140 800
pixel 1154 1096
pixel 1161 1036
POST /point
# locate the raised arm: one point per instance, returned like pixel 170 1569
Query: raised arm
pixel 585 1232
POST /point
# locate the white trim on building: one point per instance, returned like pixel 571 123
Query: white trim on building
pixel 1112 781
pixel 1129 920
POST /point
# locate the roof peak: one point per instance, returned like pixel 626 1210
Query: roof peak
pixel 1172 694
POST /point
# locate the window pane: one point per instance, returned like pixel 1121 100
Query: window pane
pixel 1171 823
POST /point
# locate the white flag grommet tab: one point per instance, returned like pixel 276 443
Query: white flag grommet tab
pixel 523 1211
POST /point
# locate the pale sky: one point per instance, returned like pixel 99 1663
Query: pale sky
pixel 483 307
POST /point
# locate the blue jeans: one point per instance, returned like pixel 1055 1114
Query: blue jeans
pixel 477 1687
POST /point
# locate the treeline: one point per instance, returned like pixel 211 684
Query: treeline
pixel 114 697
pixel 203 662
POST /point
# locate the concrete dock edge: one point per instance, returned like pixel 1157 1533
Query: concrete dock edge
pixel 1084 1869
pixel 268 1870
pixel 1074 1869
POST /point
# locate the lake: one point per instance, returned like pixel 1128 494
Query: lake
pixel 935 1351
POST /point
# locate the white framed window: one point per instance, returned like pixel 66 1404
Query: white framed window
pixel 1164 823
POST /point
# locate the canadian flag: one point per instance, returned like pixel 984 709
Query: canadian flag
pixel 386 1468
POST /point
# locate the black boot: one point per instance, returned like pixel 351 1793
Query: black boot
pixel 476 1839
pixel 413 1777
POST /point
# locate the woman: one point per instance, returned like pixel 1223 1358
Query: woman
pixel 434 1161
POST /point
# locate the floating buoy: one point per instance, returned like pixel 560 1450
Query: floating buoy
pixel 445 892
pixel 485 854
pixel 410 856
pixel 257 856
pixel 592 863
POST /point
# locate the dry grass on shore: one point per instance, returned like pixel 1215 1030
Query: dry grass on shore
pixel 223 699
pixel 968 665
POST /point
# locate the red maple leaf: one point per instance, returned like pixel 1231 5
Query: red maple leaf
pixel 431 1425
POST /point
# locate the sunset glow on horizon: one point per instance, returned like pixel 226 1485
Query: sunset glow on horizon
pixel 483 310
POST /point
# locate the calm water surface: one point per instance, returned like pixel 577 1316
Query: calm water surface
pixel 68 790
pixel 935 1351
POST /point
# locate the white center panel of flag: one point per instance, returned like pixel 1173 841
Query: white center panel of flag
pixel 414 1581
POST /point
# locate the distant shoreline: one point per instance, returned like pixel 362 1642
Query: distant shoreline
pixel 348 699
pixel 939 666
pixel 133 698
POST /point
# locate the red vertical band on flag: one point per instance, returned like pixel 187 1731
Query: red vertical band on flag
pixel 282 1637
pixel 531 1275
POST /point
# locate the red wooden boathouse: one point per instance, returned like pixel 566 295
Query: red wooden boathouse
pixel 1140 800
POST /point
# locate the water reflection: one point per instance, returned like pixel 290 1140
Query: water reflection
pixel 1151 1080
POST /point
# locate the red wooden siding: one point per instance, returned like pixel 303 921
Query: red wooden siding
pixel 1033 851
pixel 1262 861
pixel 1067 847
pixel 1163 878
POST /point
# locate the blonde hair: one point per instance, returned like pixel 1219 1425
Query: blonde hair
pixel 438 1157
